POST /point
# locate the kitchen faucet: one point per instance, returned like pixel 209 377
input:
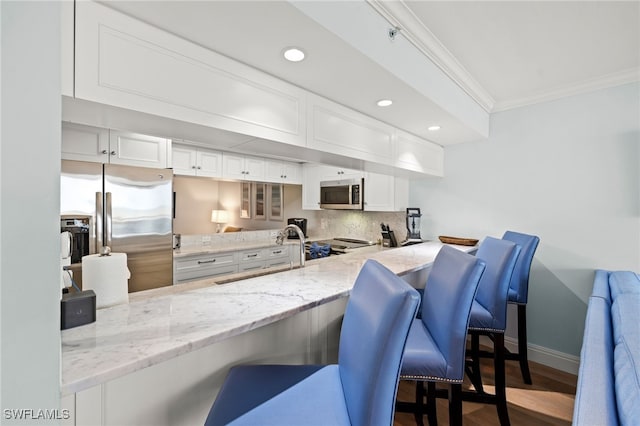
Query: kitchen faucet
pixel 283 234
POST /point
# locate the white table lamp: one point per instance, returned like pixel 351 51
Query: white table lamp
pixel 218 217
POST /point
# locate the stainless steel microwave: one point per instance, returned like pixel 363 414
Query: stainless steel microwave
pixel 344 194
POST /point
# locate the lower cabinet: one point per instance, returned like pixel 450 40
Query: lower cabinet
pixel 204 266
pixel 201 266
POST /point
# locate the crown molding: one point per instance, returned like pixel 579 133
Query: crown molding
pixel 630 75
pixel 398 14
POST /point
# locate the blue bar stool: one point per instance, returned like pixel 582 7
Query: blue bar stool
pixel 359 390
pixel 518 294
pixel 435 350
pixel 489 317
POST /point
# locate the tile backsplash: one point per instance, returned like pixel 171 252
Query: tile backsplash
pixel 320 224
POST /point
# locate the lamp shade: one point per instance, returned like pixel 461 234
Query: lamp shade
pixel 219 216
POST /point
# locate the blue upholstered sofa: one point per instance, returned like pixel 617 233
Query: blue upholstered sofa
pixel 609 378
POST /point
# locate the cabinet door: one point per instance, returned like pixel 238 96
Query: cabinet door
pixel 384 193
pixel 138 150
pixel 276 202
pixel 245 200
pixel 259 200
pixel 127 63
pixel 183 161
pixel 85 143
pixel 333 128
pixel 418 155
pixel 311 174
pixel 254 168
pixel 209 163
pixel 233 166
pixel 292 172
pixel 273 171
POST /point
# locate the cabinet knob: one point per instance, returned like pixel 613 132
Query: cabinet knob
pixel 199 167
pixel 193 167
pixel 104 151
pixel 113 153
pixel 285 176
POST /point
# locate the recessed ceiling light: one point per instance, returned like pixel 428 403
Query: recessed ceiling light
pixel 433 128
pixel 384 102
pixel 293 54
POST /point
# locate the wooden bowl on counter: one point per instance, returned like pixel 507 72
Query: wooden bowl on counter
pixel 458 240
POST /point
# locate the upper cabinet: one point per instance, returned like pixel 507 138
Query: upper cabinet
pixel 384 193
pixel 339 130
pixel 277 171
pixel 418 155
pixel 139 150
pixel 86 143
pixel 123 62
pixel 196 161
pixel 242 167
pixel 127 66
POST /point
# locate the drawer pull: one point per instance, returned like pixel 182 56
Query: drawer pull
pixel 200 262
pixel 253 255
pixel 277 252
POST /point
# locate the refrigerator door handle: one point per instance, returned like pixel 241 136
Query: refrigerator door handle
pixel 108 219
pixel 99 223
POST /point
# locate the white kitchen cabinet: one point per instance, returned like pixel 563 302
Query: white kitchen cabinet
pixel 277 171
pixel 384 193
pixel 418 155
pixel 334 128
pixel 311 175
pixel 202 266
pixel 139 150
pixel 127 63
pixel 196 161
pixel 87 143
pixel 241 167
pixel 339 173
pixel 275 201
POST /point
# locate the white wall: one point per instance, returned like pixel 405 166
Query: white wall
pixel 567 171
pixel 29 207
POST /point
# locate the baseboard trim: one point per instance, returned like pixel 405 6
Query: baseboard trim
pixel 549 357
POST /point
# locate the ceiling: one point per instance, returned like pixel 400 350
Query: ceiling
pixel 500 54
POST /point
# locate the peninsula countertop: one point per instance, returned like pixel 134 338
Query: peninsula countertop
pixel 161 324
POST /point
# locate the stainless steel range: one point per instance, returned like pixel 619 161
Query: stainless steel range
pixel 340 245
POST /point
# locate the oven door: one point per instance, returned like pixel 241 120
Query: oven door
pixel 342 194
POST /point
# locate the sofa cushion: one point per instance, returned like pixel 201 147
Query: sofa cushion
pixel 595 402
pixel 623 282
pixel 626 334
pixel 601 285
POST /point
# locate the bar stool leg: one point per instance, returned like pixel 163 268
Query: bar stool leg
pixel 500 379
pixel 431 404
pixel 522 344
pixel 455 404
pixel 419 403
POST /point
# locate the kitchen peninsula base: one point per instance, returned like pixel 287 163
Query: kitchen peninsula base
pixel 160 359
pixel 182 389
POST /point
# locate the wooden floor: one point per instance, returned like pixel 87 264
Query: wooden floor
pixel 548 401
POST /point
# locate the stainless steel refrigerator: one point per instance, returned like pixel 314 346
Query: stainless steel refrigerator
pixel 126 208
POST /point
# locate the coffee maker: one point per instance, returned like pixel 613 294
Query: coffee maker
pixel 301 222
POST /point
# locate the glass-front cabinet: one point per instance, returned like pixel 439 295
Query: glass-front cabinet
pixel 276 203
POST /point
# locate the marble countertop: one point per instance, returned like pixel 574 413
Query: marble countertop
pixel 157 325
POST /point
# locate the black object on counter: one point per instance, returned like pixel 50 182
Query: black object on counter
pixel 77 309
pixel 388 237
